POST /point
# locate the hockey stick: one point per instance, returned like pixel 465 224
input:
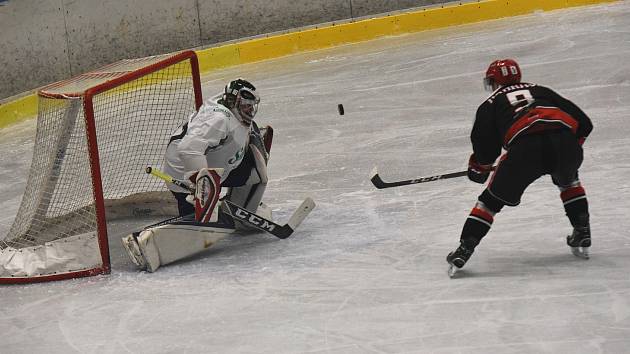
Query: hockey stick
pixel 380 184
pixel 280 231
pixel 163 176
pixel 246 216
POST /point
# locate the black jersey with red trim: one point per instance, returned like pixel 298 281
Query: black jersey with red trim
pixel 519 109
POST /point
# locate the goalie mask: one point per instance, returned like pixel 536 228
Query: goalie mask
pixel 246 105
pixel 232 89
pixel 502 73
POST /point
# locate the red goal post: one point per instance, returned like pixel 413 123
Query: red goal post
pixel 96 133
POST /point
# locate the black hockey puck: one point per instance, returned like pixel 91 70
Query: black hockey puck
pixel 340 109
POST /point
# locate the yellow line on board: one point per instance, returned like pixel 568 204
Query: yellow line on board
pixel 18 110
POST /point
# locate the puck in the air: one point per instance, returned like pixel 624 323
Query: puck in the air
pixel 340 109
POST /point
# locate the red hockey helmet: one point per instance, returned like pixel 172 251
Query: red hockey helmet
pixel 501 73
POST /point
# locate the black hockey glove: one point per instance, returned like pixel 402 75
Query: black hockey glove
pixel 477 172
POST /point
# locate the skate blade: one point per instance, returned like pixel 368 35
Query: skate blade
pixel 452 270
pixel 580 252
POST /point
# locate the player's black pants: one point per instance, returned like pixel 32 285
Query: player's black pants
pixel 556 153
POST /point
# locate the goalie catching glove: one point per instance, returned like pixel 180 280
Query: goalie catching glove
pixel 477 172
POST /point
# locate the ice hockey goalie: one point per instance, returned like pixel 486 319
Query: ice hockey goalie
pixel 219 148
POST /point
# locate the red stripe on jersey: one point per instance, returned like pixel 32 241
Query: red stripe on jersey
pixel 572 193
pixel 539 119
pixel 480 213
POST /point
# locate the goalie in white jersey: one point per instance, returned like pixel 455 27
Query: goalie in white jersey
pixel 222 137
pixel 219 146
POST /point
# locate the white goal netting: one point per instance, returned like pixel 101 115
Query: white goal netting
pixel 96 133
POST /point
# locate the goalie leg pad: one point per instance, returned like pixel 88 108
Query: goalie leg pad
pixel 161 245
pixel 142 250
pixel 249 196
pixel 149 249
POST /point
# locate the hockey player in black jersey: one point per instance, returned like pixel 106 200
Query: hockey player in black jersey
pixel 542 133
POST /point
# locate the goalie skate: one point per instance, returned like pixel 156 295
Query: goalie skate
pixel 133 250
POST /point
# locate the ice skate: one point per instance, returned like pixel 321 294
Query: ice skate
pixel 457 259
pixel 133 250
pixel 580 242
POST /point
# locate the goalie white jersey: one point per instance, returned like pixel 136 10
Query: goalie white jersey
pixel 212 137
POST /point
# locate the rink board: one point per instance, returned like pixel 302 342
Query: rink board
pixel 334 34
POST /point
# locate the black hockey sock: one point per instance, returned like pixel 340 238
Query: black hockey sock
pixel 476 227
pixel 576 206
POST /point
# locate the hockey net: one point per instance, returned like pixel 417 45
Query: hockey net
pixel 96 133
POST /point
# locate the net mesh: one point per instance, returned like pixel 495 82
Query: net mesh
pixel 134 120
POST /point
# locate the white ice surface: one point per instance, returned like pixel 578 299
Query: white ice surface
pixel 366 273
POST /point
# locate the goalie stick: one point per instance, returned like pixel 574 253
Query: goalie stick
pixel 246 216
pixel 380 184
pixel 257 221
pixel 163 176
